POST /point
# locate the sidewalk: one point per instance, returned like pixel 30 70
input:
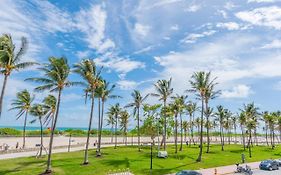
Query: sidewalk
pixel 227 169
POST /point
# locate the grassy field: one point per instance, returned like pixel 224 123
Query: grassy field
pixel 137 162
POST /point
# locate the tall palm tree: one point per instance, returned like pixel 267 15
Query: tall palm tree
pixel 38 111
pixel 163 92
pixel 185 126
pixel 272 119
pixel 49 105
pixel 124 120
pixel 221 115
pixel 178 107
pixel 191 109
pixel 23 105
pixel 265 119
pixel 138 102
pixel 105 92
pixel 55 79
pixel 242 122
pixel 91 77
pixel 110 121
pixel 234 123
pixel 210 93
pixel 203 84
pixel 10 60
pixel 115 111
pixel 251 114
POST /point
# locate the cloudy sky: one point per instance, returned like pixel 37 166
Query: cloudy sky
pixel 139 42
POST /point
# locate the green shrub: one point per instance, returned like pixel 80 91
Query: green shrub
pixel 9 131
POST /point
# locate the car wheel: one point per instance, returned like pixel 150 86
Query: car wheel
pixel 270 168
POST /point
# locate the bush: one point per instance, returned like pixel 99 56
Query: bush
pixel 9 131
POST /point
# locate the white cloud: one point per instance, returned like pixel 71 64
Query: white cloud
pixel 126 84
pixel 146 49
pixel 229 5
pixel 59 44
pixel 141 29
pixel 92 23
pixel 175 27
pixel 193 8
pixel 82 54
pixel 223 13
pixel 275 44
pixel 193 37
pixel 239 91
pixel 261 1
pixel 118 64
pixel 265 16
pixel 229 25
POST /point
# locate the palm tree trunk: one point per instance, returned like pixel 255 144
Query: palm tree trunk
pixel 116 121
pixel 86 161
pixel 138 118
pixel 192 129
pixel 165 126
pixel 48 169
pixel 112 133
pixel 243 138
pixel 208 132
pixel 24 126
pixel 181 132
pixel 201 132
pixel 273 138
pixel 176 133
pixel 221 132
pixel 3 92
pixel 41 133
pixel 249 146
pixel 266 134
pixel 101 124
pixel 98 131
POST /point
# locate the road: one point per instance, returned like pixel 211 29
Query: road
pixel 262 172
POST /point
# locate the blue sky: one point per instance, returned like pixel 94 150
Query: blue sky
pixel 139 42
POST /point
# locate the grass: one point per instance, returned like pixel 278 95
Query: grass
pixel 138 162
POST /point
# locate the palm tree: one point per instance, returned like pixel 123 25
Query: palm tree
pixel 115 111
pixel 55 80
pixel 202 83
pixel 49 104
pixel 242 122
pixel 10 60
pixel 138 102
pixel 163 91
pixel 23 104
pixel 221 114
pixel 265 119
pixel 178 106
pixel 191 109
pixel 110 121
pixel 251 114
pixel 38 111
pixel 185 126
pixel 88 72
pixel 210 93
pixel 124 120
pixel 234 123
pixel 272 119
pixel 105 93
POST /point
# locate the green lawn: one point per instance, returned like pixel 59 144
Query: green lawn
pixel 137 162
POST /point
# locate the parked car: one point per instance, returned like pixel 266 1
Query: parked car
pixel 279 161
pixel 269 165
pixel 188 172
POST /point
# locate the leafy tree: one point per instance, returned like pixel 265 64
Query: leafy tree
pixel 23 104
pixel 10 60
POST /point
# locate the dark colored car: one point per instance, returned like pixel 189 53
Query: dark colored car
pixel 188 172
pixel 269 165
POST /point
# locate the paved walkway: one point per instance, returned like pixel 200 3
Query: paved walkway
pixel 227 169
